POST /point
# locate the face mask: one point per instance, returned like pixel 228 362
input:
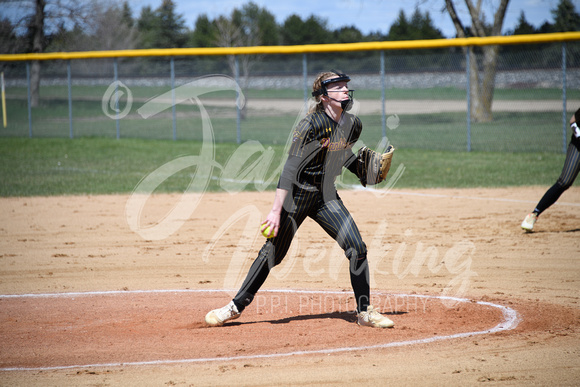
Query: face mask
pixel 347 103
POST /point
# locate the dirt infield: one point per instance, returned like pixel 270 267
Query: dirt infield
pixel 89 301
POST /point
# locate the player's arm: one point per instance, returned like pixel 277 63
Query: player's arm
pixel 351 160
pixel 371 167
pixel 575 129
pixel 301 150
pixel 287 179
pixel 285 183
pixel 273 218
pixel 575 117
pixel 288 176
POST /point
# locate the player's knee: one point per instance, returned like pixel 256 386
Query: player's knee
pixel 268 254
pixel 358 264
pixel 564 183
pixel 357 251
pixel 361 249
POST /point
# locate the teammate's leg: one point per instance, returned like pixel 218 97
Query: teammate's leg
pixel 565 181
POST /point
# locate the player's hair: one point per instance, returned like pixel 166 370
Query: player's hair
pixel 317 85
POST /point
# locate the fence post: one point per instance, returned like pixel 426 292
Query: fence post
pixel 174 121
pixel 468 73
pixel 383 96
pixel 69 82
pixel 116 76
pixel 238 110
pixel 564 122
pixel 29 99
pixel 305 76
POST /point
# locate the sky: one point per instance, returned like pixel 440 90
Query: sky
pixel 366 15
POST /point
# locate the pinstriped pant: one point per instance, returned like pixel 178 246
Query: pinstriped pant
pixel 335 219
pixel 566 179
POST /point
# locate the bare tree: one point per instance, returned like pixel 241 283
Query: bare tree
pixel 37 39
pixel 250 26
pixel 108 30
pixel 230 35
pixel 40 16
pixel 482 86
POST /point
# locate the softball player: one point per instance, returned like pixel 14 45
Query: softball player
pixel 566 179
pixel 321 147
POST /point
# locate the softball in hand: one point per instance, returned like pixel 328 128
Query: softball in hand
pixel 267 232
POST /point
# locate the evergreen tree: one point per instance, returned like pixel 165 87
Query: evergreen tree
pixel 316 31
pixel 147 25
pixel 268 28
pixel 546 28
pixel 400 28
pixel 204 33
pixel 257 26
pixel 313 30
pixel 293 31
pixel 427 29
pixel 348 35
pixel 523 27
pixel 566 18
pixel 420 26
pixel 127 15
pixel 162 28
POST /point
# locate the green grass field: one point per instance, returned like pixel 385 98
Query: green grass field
pixel 44 167
pixel 146 92
pixel 515 149
pixel 509 131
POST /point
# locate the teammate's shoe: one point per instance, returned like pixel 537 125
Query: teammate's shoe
pixel 218 317
pixel 529 221
pixel 372 318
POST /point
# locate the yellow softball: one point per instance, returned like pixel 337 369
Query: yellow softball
pixel 267 231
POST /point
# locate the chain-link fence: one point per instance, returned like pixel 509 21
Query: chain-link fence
pixel 415 98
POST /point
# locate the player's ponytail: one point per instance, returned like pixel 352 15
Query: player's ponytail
pixel 317 85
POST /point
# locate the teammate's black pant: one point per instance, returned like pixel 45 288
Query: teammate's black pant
pixel 335 219
pixel 566 179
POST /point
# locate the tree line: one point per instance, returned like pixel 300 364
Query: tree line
pixel 81 25
pixel 112 26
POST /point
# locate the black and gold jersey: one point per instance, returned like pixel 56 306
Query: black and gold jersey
pixel 320 148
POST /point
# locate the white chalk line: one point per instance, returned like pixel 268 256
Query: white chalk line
pixel 510 321
pixel 433 195
pixel 356 187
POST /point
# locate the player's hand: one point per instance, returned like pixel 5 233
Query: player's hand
pixel 272 221
pixel 273 218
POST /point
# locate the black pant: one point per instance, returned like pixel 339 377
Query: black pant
pixel 566 179
pixel 331 214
